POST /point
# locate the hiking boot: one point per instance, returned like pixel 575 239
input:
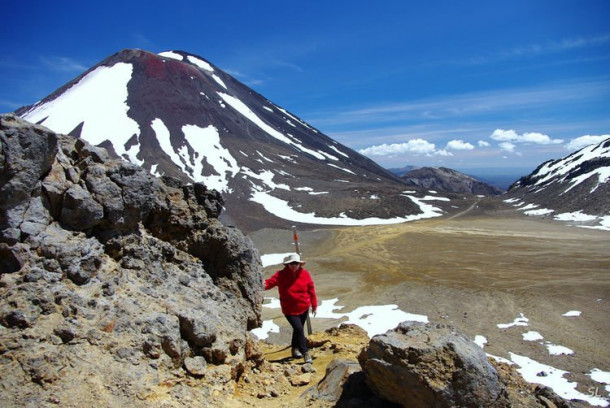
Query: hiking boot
pixel 307 358
pixel 296 353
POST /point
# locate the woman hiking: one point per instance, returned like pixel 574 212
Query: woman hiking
pixel 297 294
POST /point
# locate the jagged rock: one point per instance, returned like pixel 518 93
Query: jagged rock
pixel 107 283
pixel 10 261
pixel 79 210
pixel 336 381
pixel 431 365
pixel 26 155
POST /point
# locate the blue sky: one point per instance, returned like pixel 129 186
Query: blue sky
pixel 466 85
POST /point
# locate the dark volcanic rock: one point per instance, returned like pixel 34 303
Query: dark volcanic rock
pixel 419 365
pixel 112 278
pixel 31 154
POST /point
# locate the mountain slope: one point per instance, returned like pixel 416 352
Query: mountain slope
pixel 448 180
pixel 176 114
pixel 576 187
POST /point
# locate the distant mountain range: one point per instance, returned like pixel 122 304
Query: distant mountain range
pixel 501 178
pixel 444 179
pixel 403 170
pixel 574 188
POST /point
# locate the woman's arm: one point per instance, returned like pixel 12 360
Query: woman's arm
pixel 272 281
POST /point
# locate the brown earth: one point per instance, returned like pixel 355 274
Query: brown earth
pixel 480 267
pixel 281 380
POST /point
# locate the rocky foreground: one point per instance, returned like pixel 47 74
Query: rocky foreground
pixel 122 289
pixel 414 365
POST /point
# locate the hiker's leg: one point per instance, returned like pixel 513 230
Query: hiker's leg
pixel 298 332
pixel 303 340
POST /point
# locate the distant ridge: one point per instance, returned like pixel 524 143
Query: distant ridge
pixel 448 180
pixel 574 188
pixel 402 170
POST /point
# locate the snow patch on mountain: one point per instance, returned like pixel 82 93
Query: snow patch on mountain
pixel 266 177
pixel 219 81
pixel 200 144
pixel 200 63
pixel 519 321
pixel 341 168
pixel 338 151
pixel 282 209
pixel 285 112
pixel 172 55
pixel 206 141
pixel 561 168
pixel 109 121
pixel 247 113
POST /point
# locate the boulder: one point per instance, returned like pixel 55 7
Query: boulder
pixel 431 365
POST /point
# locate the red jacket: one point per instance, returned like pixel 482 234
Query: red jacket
pixel 297 291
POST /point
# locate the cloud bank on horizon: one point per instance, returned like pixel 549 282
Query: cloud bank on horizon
pixel 507 142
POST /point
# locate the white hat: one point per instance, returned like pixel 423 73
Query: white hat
pixel 293 258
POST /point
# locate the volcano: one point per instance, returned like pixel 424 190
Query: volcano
pixel 177 115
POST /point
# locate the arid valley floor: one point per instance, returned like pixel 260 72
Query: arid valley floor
pixel 485 266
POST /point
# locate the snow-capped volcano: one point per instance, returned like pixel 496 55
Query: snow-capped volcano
pixel 574 188
pixel 178 115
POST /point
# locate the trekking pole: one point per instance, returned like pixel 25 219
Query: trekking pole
pixel 297 249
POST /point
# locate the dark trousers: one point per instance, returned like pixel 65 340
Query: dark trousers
pixel 298 331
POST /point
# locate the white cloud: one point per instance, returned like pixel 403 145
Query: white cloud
pixel 539 138
pixel 483 143
pixel 459 145
pixel 417 146
pixel 582 141
pixel 479 104
pixel 507 146
pixel 501 135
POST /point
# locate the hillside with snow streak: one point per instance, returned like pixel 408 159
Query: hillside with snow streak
pixel 178 115
pixel 575 188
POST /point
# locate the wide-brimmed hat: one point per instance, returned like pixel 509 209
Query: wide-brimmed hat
pixel 293 258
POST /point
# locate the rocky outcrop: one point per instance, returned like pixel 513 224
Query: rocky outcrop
pixel 431 368
pixel 115 283
pixel 434 365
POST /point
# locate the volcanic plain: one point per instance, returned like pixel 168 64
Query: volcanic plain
pixel 487 269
